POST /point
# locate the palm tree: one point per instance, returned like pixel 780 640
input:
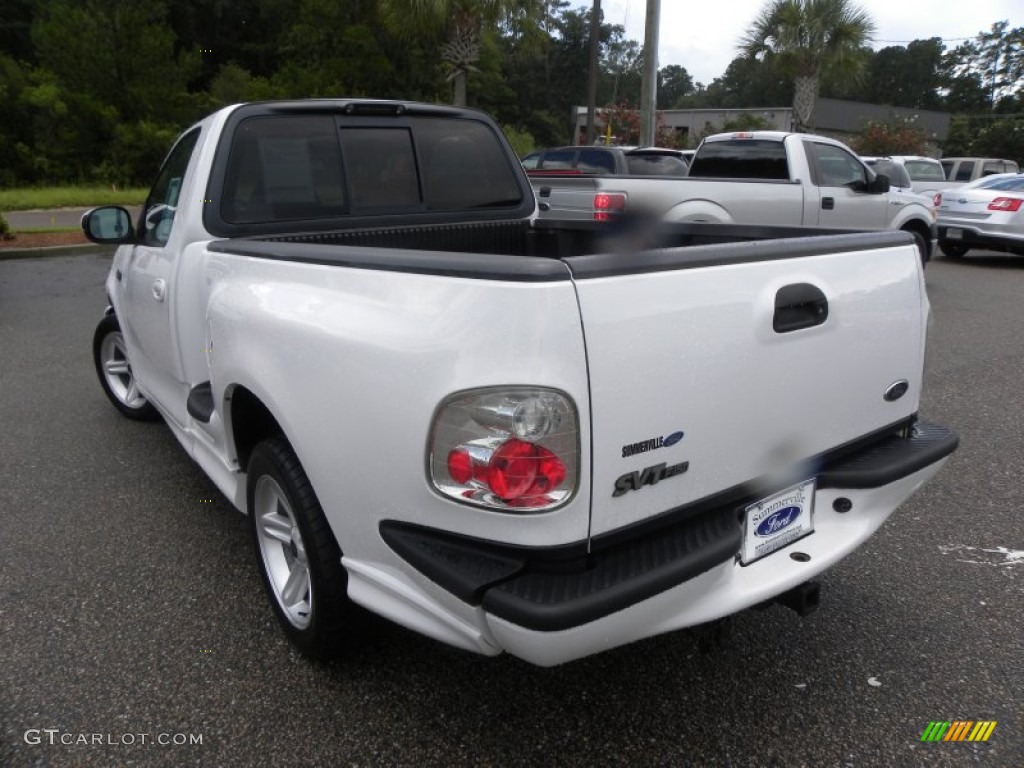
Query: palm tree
pixel 461 22
pixel 809 38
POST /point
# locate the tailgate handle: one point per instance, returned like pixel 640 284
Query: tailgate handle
pixel 800 305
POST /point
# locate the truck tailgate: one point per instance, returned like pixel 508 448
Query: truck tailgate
pixel 716 366
pixel 565 197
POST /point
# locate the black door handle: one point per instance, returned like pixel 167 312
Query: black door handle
pixel 545 191
pixel 828 203
pixel 800 305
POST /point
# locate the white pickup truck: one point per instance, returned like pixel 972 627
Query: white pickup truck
pixel 759 177
pixel 505 434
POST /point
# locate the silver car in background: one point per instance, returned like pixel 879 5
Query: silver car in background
pixel 986 213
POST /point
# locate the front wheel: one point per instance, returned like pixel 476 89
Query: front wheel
pixel 299 558
pixel 921 244
pixel 953 250
pixel 115 371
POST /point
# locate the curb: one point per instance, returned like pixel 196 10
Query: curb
pixel 55 250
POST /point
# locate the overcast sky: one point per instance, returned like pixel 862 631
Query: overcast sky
pixel 702 36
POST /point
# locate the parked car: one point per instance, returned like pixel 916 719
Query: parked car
pixel 898 176
pixel 961 170
pixel 925 173
pixel 617 161
pixel 499 431
pixel 987 213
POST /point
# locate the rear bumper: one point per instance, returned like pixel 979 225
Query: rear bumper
pixel 552 605
pixel 977 237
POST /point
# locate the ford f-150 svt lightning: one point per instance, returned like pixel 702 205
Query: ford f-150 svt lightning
pixel 506 434
pixel 759 177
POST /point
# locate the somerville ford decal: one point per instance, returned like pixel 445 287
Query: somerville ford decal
pixel 652 444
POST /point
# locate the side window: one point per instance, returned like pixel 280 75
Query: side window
pixel 837 167
pixel 964 171
pixel 162 203
pixel 531 161
pixel 947 167
pixel 992 167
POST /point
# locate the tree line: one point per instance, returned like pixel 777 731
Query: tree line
pixel 96 90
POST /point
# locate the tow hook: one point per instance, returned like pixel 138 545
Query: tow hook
pixel 802 598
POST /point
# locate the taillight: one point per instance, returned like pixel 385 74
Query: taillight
pixel 512 449
pixel 607 205
pixel 1010 204
pixel 936 199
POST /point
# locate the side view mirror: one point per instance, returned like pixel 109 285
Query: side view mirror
pixel 109 224
pixel 879 184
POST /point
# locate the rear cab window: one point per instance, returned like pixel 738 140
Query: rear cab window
pixel 557 160
pixel 321 167
pixel 741 159
pixel 595 161
pixel 921 170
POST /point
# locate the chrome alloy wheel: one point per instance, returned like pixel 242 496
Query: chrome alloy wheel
pixel 118 371
pixel 284 555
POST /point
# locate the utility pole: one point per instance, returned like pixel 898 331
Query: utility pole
pixel 649 79
pixel 595 50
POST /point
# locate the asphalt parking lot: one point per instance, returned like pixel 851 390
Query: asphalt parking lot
pixel 132 617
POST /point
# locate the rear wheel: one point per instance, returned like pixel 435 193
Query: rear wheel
pixel 299 558
pixel 115 371
pixel 952 250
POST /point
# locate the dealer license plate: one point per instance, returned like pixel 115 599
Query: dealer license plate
pixel 777 520
pixel 954 233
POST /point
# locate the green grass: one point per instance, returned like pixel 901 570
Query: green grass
pixel 45 230
pixel 27 198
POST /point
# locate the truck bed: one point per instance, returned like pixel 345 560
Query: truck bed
pixel 447 248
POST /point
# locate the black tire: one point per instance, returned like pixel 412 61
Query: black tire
pixel 922 246
pixel 318 616
pixel 953 250
pixel 110 356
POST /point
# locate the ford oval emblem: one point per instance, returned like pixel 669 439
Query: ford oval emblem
pixel 777 521
pixel 672 439
pixel 896 390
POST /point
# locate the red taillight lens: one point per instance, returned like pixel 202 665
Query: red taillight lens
pixel 460 466
pixel 607 205
pixel 520 471
pixel 512 449
pixel 513 469
pixel 937 199
pixel 1010 204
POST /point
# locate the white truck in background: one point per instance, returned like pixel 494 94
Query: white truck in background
pixel 504 433
pixel 759 177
